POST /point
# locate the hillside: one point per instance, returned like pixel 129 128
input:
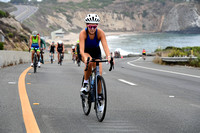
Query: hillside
pixel 16 35
pixel 116 15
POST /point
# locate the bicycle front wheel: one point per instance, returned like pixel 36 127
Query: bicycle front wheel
pixel 86 100
pixel 101 99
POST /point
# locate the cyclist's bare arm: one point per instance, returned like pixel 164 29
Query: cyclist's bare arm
pixel 49 47
pixel 56 48
pixel 102 37
pixel 63 48
pixel 30 41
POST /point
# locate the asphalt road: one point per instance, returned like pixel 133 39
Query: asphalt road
pixel 143 97
pixel 23 12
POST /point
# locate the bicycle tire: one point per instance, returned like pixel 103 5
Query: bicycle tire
pixel 35 64
pixel 101 114
pixel 86 102
pixel 60 59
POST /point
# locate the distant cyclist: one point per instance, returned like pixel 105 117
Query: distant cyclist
pixel 78 55
pixel 52 49
pixel 112 61
pixel 73 51
pixel 42 48
pixel 60 49
pixel 89 40
pixel 144 54
pixel 35 43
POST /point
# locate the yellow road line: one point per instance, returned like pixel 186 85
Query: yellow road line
pixel 29 118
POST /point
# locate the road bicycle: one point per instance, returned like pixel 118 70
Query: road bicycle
pixel 51 57
pixel 74 57
pixel 61 58
pixel 96 85
pixel 78 60
pixel 41 56
pixel 35 60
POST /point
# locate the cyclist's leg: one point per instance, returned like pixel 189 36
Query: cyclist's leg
pixel 63 55
pixel 38 54
pixel 58 56
pixel 100 71
pixel 41 55
pixel 33 51
pixel 89 71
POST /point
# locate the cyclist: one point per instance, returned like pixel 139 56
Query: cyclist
pixel 60 49
pixel 43 47
pixel 112 61
pixel 78 51
pixel 144 54
pixel 51 49
pixel 35 43
pixel 89 39
pixel 73 52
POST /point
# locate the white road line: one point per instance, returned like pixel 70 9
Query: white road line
pixel 127 82
pixel 189 75
pixel 194 105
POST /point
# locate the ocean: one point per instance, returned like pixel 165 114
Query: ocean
pixel 135 43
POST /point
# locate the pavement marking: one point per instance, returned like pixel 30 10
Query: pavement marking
pixel 171 96
pixel 189 75
pixel 36 103
pixel 195 105
pixel 28 83
pixel 12 83
pixel 29 73
pixel 28 116
pixel 127 82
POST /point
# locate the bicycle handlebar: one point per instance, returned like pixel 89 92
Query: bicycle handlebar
pixel 93 60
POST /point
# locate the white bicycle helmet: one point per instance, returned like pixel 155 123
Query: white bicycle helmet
pixel 92 19
pixel 73 47
pixel 60 42
pixel 34 33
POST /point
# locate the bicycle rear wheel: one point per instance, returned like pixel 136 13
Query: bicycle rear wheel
pixel 35 63
pixel 86 100
pixel 60 59
pixel 101 102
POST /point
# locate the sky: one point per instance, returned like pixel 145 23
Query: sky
pixel 4 0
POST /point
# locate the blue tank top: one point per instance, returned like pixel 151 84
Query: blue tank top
pixel 91 43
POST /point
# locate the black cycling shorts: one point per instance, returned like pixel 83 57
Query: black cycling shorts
pixel 52 51
pixel 60 50
pixel 94 52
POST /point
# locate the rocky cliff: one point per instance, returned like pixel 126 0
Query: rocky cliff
pixel 184 18
pixel 119 16
pixel 16 35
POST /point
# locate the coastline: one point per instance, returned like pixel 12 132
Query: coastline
pixel 72 38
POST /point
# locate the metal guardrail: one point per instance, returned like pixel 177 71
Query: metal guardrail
pixel 177 59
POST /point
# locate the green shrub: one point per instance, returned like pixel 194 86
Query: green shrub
pixel 1 45
pixel 10 35
pixel 3 14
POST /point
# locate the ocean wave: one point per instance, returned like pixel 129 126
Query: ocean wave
pixel 123 52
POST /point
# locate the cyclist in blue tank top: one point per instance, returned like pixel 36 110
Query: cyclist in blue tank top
pixel 89 40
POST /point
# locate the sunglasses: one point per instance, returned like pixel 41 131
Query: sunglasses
pixel 92 26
